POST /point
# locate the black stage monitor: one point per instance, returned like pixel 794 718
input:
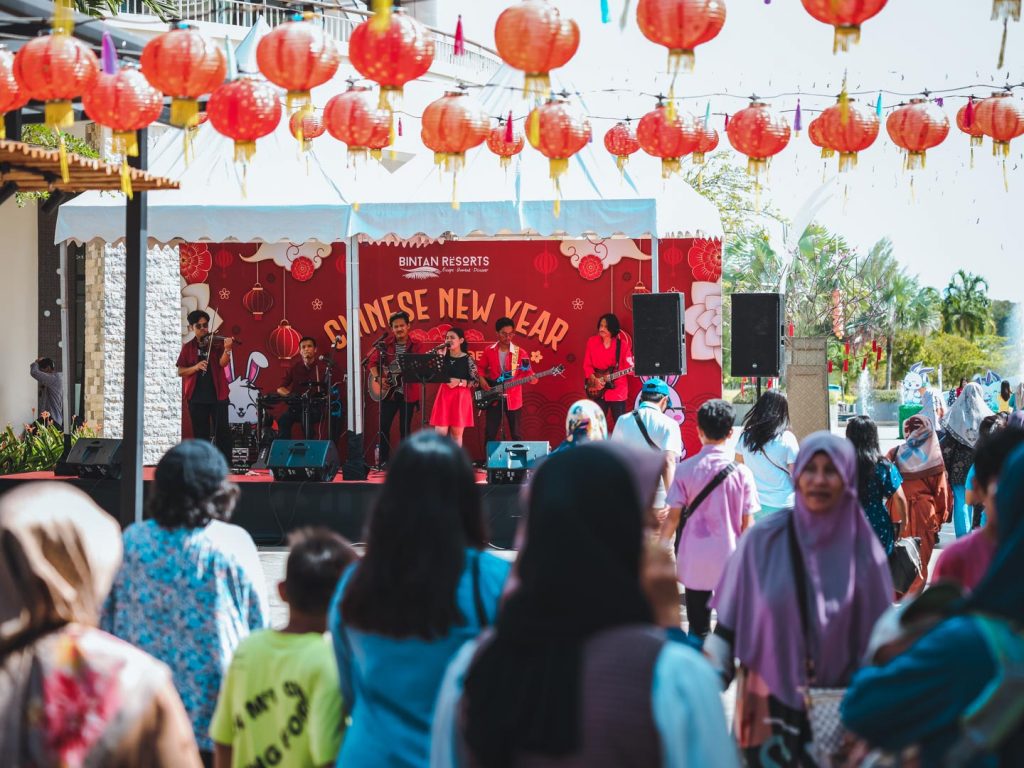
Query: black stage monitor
pixel 298 460
pixel 659 334
pixel 95 457
pixel 757 334
pixel 510 462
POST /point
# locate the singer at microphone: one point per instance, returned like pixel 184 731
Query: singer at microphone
pixel 204 384
pixel 397 398
pixel 306 376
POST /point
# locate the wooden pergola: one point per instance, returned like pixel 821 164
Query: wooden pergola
pixel 36 169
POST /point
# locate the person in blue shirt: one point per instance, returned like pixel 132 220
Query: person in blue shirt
pixel 921 696
pixel 423 588
pixel 878 480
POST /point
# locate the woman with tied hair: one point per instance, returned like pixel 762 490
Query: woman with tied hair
pixel 584 423
pixel 768 449
pixel 962 425
pixel 579 669
pixel 801 593
pixel 191 586
pixel 71 694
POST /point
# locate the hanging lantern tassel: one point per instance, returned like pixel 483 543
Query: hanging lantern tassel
pixel 244 150
pixel 381 15
pixel 798 124
pixel 65 171
pixel 671 110
pixel 845 36
pixel 557 166
pixel 399 125
pixel 460 40
pixel 126 144
pixel 391 137
pixel 509 135
pixel 844 104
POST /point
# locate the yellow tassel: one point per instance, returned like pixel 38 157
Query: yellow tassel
pixel 391 136
pixel 698 158
pixel 827 152
pixel 558 197
pixel 557 166
pixel 355 206
pixel 1006 177
pixel 533 129
pixel 1007 9
pixel 65 171
pixel 847 160
pixel 126 177
pixel 298 101
pixel 125 143
pixel 505 161
pixel 844 105
pixel 536 85
pixel 620 162
pixel 845 37
pixel 671 109
pixel 455 196
pixel 1000 148
pixel 377 154
pixel 1002 46
pixel 670 165
pixel 244 150
pixel 3 129
pixel 63 17
pixel 58 114
pixel 390 97
pixel 915 160
pixel 381 15
pixel 680 59
pixel 184 113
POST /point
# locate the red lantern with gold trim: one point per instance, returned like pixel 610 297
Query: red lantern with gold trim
pixel 57 69
pixel 532 36
pixel 849 128
pixel 244 110
pixel 498 142
pixel 298 56
pixel 257 301
pixel 306 126
pixel 452 125
pixel 680 26
pixel 12 96
pixel 393 54
pixel 668 136
pixel 354 119
pixel 759 134
pixel 1001 117
pixel 917 127
pixel 185 65
pixel 707 141
pixel 621 141
pixel 815 133
pixel 558 132
pixel 846 16
pixel 283 341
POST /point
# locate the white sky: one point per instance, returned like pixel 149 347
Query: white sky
pixel 958 217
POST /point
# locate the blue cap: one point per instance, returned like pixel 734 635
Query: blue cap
pixel 656 385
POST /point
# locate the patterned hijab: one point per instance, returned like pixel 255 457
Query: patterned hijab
pixel 921 454
pixel 585 421
pixel 965 415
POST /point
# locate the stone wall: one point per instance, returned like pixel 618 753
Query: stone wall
pixel 807 384
pixel 104 340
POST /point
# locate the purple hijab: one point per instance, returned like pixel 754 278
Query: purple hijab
pixel 849 579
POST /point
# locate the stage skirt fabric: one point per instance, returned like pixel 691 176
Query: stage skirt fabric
pixel 453 407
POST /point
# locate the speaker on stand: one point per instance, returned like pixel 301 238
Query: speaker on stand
pixel 757 335
pixel 659 334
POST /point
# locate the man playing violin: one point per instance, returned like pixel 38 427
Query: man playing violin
pixel 399 398
pixel 204 383
pixel 307 376
pixel 608 353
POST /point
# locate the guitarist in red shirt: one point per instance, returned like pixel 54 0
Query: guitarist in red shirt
pixel 385 384
pixel 503 361
pixel 608 365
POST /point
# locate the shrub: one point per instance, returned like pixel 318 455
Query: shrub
pixel 37 449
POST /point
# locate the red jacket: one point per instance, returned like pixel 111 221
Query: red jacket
pixel 297 378
pixel 597 357
pixel 491 370
pixel 189 356
pixel 411 391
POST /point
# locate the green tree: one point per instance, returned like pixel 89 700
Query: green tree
pixel 164 9
pixel 958 356
pixel 966 308
pixel 1002 316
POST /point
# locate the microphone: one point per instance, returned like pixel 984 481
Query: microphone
pixel 382 341
pixel 326 359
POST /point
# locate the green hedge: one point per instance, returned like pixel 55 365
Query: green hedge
pixel 37 449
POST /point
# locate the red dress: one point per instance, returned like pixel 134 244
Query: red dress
pixel 453 406
pixel 598 357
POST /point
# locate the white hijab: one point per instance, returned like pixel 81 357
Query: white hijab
pixel 932 407
pixel 965 415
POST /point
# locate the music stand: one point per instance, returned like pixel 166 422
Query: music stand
pixel 422 370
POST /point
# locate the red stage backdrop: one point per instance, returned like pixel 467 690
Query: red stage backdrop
pixel 553 290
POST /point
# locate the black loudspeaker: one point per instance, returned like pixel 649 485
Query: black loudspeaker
pixel 511 462
pixel 757 334
pixel 303 460
pixel 659 334
pixel 94 457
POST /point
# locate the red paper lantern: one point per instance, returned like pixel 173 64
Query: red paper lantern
pixel 670 137
pixel 846 365
pixel 306 126
pixel 830 366
pixel 354 119
pixel 816 134
pixel 57 69
pixel 621 142
pixel 546 263
pixel 917 127
pixel 452 125
pixel 759 134
pixel 557 132
pixel 846 16
pixel 680 26
pixel 533 37
pixel 1001 117
pixel 223 259
pixel 244 110
pixel 12 96
pixel 671 255
pixel 849 129
pixel 257 301
pixel 297 56
pixel 185 65
pixel 283 342
pixel 498 143
pixel 391 55
pixel 707 141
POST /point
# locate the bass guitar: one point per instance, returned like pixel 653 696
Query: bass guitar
pixel 484 398
pixel 603 380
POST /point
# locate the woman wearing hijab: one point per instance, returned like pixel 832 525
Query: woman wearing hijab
pixel 846 588
pixel 71 694
pixel 919 461
pixel 963 422
pixel 1017 398
pixel 576 673
pixel 932 407
pixel 927 695
pixel 584 423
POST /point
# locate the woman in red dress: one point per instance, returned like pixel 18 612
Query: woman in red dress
pixel 453 406
pixel 608 350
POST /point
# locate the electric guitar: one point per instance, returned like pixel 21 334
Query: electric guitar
pixel 483 398
pixel 380 388
pixel 602 381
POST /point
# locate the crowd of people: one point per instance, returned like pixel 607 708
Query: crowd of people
pixel 152 648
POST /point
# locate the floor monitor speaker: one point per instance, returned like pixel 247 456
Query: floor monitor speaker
pixel 303 460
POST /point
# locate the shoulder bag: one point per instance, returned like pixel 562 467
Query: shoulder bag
pixel 827 732
pixel 643 431
pixel 687 512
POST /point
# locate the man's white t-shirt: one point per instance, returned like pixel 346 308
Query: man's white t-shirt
pixel 664 432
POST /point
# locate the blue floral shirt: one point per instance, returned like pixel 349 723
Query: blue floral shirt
pixel 883 484
pixel 187 597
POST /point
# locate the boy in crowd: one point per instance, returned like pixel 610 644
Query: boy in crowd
pixel 720 499
pixel 280 702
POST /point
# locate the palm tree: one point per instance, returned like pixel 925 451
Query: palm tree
pixel 966 306
pixel 164 9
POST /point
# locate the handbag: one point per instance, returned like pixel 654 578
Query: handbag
pixel 822 704
pixel 905 563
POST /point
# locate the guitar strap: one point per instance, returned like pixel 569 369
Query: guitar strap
pixel 618 350
pixel 513 351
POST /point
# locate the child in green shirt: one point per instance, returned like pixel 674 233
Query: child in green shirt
pixel 280 702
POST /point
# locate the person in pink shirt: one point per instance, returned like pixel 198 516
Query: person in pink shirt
pixel 712 524
pixel 966 560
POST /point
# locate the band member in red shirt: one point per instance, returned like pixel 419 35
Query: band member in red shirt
pixel 503 360
pixel 400 398
pixel 307 376
pixel 204 384
pixel 608 352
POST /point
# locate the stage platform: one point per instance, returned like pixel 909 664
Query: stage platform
pixel 268 510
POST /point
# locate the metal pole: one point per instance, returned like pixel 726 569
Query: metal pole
pixel 655 277
pixel 355 336
pixel 65 346
pixel 136 224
